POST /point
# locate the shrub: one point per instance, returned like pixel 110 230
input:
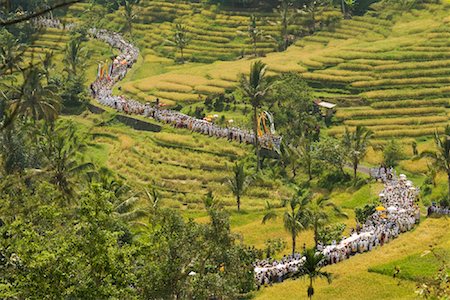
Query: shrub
pixel 329 180
pixel 392 153
pixel 362 213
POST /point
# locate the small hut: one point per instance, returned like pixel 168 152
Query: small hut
pixel 327 109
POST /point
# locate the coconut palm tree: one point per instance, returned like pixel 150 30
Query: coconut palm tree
pixel 74 56
pixel 128 211
pixel 441 157
pixel 180 39
pixel 239 182
pixel 312 268
pixel 33 99
pixel 356 144
pixel 296 218
pixel 154 198
pixel 255 88
pixel 311 10
pixel 304 153
pixel 285 14
pixel 11 53
pixel 61 148
pixel 319 215
pixel 254 33
pixel 130 15
pixel 47 65
pixel 124 201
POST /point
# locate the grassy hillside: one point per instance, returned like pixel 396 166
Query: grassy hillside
pixel 183 165
pixel 52 40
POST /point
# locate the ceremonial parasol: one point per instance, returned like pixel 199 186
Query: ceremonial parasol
pixel 380 208
pixel 392 209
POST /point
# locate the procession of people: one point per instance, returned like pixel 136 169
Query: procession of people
pixel 107 76
pixel 438 210
pixel 114 71
pixel 397 213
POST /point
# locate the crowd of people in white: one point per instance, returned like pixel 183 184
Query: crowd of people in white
pixel 102 88
pixel 435 209
pixel 102 91
pixel 398 196
pixel 44 22
pixel 382 173
pixel 397 213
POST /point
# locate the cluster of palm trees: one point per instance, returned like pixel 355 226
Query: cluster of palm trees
pixel 256 88
pixel 441 156
pixel 304 211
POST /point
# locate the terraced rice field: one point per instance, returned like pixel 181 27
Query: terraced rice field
pixel 389 75
pixel 215 35
pixel 183 165
pixel 51 40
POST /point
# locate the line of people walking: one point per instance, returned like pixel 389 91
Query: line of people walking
pixel 101 89
pixel 397 213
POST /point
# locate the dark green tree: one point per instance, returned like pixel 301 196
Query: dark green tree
pixel 239 182
pixel 392 153
pixel 180 39
pixel 312 269
pixel 320 211
pixel 256 88
pixel 33 99
pixel 74 57
pixel 292 106
pixel 129 14
pixel 355 144
pixel 61 147
pixel 441 156
pixel 296 218
pixel 254 34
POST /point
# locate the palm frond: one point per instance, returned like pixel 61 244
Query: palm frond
pixel 127 204
pixel 271 215
pixel 133 215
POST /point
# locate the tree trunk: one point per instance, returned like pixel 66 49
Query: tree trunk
pixel 310 289
pixel 448 179
pixel 238 200
pixel 343 8
pixel 316 233
pixel 182 56
pixel 309 171
pixel 355 169
pixel 285 29
pixel 293 243
pixel 255 130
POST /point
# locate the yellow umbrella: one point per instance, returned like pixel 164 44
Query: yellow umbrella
pixel 380 208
